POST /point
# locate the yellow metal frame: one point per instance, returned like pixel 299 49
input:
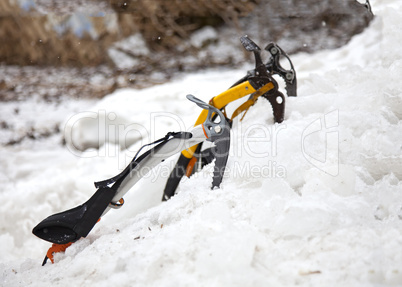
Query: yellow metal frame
pixel 222 100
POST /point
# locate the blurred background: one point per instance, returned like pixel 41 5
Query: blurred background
pixel 87 49
pixel 58 58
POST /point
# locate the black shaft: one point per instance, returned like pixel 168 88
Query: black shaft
pixel 175 176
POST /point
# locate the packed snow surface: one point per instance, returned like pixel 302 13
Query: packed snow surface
pixel 313 201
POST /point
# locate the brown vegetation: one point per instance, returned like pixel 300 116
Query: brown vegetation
pixel 29 38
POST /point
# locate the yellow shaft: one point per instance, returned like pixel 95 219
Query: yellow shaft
pixel 222 100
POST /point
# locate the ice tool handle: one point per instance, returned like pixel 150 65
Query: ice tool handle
pixel 219 134
pixel 261 73
pixel 212 129
pixel 274 67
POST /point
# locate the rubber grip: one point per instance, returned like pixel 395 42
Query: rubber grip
pixel 72 224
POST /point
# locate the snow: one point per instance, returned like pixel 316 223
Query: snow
pixel 314 201
pixel 79 23
pixel 135 45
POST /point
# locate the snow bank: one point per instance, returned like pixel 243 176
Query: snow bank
pixel 315 201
